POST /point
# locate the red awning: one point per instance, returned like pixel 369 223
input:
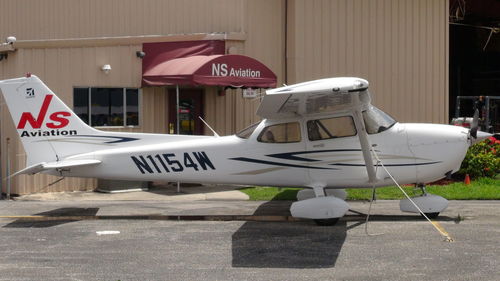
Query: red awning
pixel 214 70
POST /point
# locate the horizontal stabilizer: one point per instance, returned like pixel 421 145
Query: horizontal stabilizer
pixel 40 167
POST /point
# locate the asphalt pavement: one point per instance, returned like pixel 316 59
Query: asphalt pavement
pixel 238 240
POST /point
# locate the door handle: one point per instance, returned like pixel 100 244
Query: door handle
pixel 319 145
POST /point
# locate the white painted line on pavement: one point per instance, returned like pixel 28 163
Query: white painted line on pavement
pixel 107 232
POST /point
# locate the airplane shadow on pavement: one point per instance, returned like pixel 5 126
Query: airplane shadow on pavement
pixel 299 244
pixel 53 214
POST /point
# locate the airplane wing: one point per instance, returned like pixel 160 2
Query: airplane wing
pixel 314 97
pixel 44 166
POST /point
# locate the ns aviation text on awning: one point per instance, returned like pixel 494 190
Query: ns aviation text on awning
pixel 222 69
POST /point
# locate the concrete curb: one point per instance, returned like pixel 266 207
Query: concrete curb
pixel 163 194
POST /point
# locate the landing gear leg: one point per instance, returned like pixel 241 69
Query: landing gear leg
pixel 319 191
pixel 422 188
pixel 431 215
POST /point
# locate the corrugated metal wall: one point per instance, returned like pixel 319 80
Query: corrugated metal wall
pixel 400 46
pixel 56 19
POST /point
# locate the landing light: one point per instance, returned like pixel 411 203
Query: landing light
pixel 358 84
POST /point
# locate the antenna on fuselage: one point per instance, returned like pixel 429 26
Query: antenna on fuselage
pixel 213 131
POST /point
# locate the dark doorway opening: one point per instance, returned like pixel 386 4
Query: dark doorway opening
pixel 474 52
pixel 190 109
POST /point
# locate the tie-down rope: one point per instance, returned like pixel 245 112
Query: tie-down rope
pixel 436 225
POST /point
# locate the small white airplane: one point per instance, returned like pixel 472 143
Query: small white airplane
pixel 323 135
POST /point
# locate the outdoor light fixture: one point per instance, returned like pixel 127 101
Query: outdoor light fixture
pixel 106 68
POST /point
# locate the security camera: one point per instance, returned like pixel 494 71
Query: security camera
pixel 140 54
pixel 10 40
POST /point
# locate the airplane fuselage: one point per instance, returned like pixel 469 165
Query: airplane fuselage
pixel 413 153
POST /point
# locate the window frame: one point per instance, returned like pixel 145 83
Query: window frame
pixel 124 97
pixel 254 125
pixel 335 137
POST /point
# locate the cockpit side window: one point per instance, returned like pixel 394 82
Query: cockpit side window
pixel 329 128
pixel 377 121
pixel 247 132
pixel 281 133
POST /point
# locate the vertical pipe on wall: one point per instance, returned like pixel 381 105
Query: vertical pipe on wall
pixel 285 78
pixel 1 177
pixel 8 169
pixel 177 108
pixel 177 123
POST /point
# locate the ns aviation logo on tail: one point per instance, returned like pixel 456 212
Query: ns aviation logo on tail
pixel 58 120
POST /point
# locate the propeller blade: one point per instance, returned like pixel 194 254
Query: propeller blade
pixel 475 124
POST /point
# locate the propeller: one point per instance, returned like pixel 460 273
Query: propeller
pixel 475 124
pixel 476 136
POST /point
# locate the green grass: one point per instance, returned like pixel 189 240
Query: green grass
pixel 481 189
pixel 270 193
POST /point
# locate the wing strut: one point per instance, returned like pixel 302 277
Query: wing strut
pixel 363 139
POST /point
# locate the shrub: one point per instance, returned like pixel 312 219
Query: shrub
pixel 482 159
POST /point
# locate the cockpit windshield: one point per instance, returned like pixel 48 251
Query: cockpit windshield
pixel 377 121
pixel 247 132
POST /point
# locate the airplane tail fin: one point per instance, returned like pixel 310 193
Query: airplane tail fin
pixel 48 129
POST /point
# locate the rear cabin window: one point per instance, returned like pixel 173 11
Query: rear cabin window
pixel 281 133
pixel 329 128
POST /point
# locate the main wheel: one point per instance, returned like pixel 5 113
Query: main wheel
pixel 431 215
pixel 326 222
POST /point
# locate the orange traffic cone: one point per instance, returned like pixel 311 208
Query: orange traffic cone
pixel 467 179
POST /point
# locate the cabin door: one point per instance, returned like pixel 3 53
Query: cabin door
pixel 334 151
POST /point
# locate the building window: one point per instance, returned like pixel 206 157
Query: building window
pixel 100 107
